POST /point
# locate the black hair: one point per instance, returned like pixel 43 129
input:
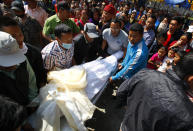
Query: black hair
pixel 7 21
pixel 188 35
pixel 175 49
pixel 176 19
pixel 184 67
pixel 127 3
pixel 122 18
pixel 126 12
pixel 96 10
pixel 162 34
pixel 164 48
pixel 116 20
pixel 63 5
pixel 145 16
pixel 136 27
pixel 62 28
pixel 12 115
pixel 153 17
pixel 180 19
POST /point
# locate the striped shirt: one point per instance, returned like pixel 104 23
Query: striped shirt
pixel 135 59
pixel 55 57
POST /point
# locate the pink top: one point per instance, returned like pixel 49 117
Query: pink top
pixel 38 13
pixel 156 59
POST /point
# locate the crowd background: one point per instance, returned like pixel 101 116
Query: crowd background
pixel 59 34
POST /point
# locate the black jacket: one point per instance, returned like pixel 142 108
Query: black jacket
pixel 84 51
pixel 17 89
pixel 36 62
pixel 155 102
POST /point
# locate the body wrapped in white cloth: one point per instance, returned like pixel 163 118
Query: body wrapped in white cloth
pixel 68 94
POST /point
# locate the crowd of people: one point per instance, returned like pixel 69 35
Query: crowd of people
pixel 41 36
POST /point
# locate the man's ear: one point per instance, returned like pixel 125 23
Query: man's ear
pixel 189 80
pixel 60 11
pixel 58 39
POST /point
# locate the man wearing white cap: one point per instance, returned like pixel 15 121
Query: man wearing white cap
pixel 86 44
pixel 18 81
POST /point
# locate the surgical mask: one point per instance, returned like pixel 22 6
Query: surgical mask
pixel 66 46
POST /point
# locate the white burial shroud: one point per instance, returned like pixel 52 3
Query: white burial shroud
pixel 69 92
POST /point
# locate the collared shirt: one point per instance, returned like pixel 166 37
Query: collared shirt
pixel 56 57
pixel 149 37
pixel 53 21
pixel 33 90
pixel 38 13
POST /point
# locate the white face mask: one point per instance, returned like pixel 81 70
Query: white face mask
pixel 67 46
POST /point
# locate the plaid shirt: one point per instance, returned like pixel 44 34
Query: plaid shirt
pixel 56 57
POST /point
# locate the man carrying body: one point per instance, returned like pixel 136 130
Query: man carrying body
pixel 136 56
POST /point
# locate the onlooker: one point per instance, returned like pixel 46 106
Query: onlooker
pixel 59 53
pixel 62 16
pixel 16 74
pixel 36 12
pixel 149 33
pixel 140 13
pixel 115 38
pixel 137 54
pixel 123 22
pixel 31 28
pixel 167 60
pixel 83 19
pixel 132 19
pixel 34 56
pixel 183 43
pixel 86 45
pixel 158 42
pixel 149 13
pixel 126 8
pixel 157 101
pixel 107 15
pixel 77 13
pixel 95 17
pixel 47 6
pixel 163 25
pixel 143 19
pixel 156 60
pixel 172 34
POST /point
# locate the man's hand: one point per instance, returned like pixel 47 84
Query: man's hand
pixel 82 32
pixel 110 79
pixel 120 66
pixel 168 62
pixel 158 66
